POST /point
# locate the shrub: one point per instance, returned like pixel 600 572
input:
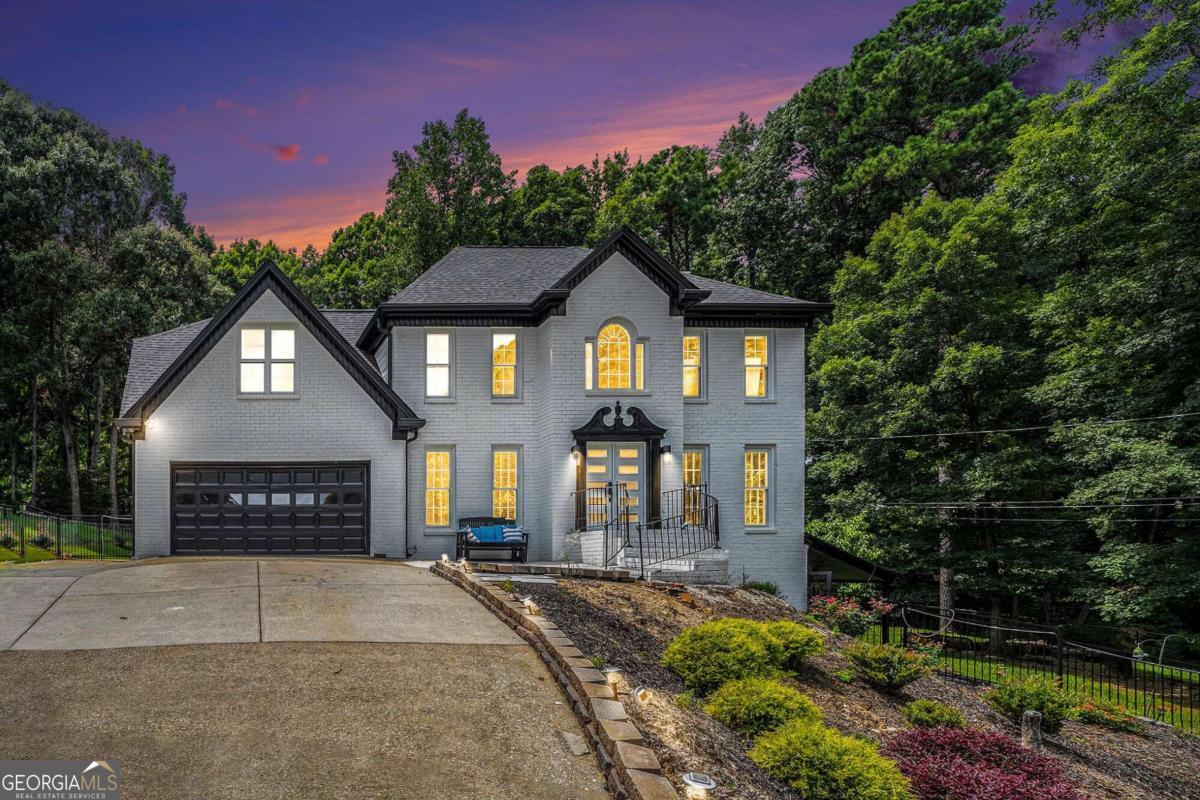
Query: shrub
pixel 1110 715
pixel 842 614
pixel 43 541
pixel 507 585
pixel 822 764
pixel 598 661
pixel 10 542
pixel 932 714
pixel 721 650
pixel 887 667
pixel 1016 694
pixel 965 764
pixel 845 675
pixel 769 587
pixel 796 641
pixel 757 705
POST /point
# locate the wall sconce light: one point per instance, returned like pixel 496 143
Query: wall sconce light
pixel 665 449
pixel 698 785
pixel 575 453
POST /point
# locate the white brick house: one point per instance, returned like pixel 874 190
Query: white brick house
pixel 486 388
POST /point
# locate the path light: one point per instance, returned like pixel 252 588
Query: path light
pixel 530 606
pixel 642 695
pixel 698 785
pixel 612 675
pixel 445 558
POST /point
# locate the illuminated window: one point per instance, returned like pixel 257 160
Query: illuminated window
pixel 505 475
pixel 758 462
pixel 268 360
pixel 587 366
pixel 438 347
pixel 439 477
pixel 756 366
pixel 694 483
pixel 612 353
pixel 504 365
pixel 691 366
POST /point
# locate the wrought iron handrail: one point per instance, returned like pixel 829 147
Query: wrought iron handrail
pixel 604 508
pixel 693 527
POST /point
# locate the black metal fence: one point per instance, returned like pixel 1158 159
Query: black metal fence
pixel 34 535
pixel 975 650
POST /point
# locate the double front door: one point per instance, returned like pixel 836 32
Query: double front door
pixel 609 466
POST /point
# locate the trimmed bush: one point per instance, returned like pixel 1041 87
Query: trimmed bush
pixel 768 587
pixel 757 705
pixel 10 542
pixel 822 764
pixel 932 714
pixel 797 641
pixel 721 650
pixel 887 667
pixel 1016 694
pixel 965 764
pixel 1110 715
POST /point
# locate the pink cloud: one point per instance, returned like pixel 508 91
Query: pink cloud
pixel 225 104
pixel 285 152
pixel 320 159
pixel 303 99
pixel 291 219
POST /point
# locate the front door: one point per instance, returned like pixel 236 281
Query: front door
pixel 615 464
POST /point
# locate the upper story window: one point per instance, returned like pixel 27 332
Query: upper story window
pixel 615 360
pixel 439 372
pixel 268 360
pixel 757 364
pixel 504 364
pixel 692 376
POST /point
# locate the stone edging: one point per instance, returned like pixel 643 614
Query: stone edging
pixel 629 766
pixel 517 568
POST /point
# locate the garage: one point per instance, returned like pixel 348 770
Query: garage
pixel 269 508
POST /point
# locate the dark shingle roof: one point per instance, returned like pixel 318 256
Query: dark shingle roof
pixel 732 293
pixel 491 275
pixel 520 274
pixel 150 356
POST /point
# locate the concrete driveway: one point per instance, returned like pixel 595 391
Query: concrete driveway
pixel 281 678
pixel 238 600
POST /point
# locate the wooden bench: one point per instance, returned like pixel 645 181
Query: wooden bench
pixel 463 546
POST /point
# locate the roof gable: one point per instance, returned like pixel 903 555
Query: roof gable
pixel 268 277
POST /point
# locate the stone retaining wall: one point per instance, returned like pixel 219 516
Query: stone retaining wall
pixel 631 769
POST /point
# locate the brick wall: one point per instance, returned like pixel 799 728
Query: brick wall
pixel 329 418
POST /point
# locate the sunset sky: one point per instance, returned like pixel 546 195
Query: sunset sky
pixel 281 117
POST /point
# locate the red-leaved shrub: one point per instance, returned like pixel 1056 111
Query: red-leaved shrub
pixel 966 764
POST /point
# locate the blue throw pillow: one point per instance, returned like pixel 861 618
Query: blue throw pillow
pixel 489 533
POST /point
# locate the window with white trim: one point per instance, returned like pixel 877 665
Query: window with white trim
pixel 757 363
pixel 439 487
pixel 267 359
pixel 757 491
pixel 504 364
pixel 693 375
pixel 506 478
pixel 614 360
pixel 439 364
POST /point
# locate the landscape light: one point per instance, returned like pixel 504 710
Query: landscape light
pixel 698 785
pixel 612 675
pixel 641 695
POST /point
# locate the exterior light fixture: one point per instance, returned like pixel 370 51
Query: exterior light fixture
pixel 575 453
pixel 445 558
pixel 698 785
pixel 641 695
pixel 612 675
pixel 665 449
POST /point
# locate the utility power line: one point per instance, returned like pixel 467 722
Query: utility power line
pixel 1047 505
pixel 1007 430
pixel 1060 519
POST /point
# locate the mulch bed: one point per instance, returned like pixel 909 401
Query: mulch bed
pixel 629 625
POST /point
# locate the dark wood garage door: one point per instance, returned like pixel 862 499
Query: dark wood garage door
pixel 276 508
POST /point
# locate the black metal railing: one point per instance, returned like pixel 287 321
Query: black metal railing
pixel 31 534
pixel 608 509
pixel 973 649
pixel 689 524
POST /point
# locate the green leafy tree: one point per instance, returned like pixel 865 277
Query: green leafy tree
pixel 551 208
pixel 925 106
pixel 363 266
pixel 450 189
pixel 670 200
pixel 1108 181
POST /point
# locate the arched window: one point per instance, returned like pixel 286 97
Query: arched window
pixel 612 357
